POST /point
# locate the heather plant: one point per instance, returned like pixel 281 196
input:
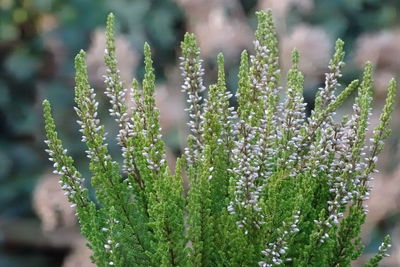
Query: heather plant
pixel 267 184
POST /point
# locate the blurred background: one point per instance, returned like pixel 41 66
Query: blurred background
pixel 39 39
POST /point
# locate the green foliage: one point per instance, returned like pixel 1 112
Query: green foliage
pixel 357 16
pixel 267 185
pixel 381 253
pixel 33 35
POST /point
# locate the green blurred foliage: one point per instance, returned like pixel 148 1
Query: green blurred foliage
pixel 158 22
pixel 348 19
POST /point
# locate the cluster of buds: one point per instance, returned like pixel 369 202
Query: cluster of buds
pixel 247 189
pixel 275 253
pixel 192 73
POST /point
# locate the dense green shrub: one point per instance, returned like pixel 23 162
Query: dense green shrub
pixel 267 185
